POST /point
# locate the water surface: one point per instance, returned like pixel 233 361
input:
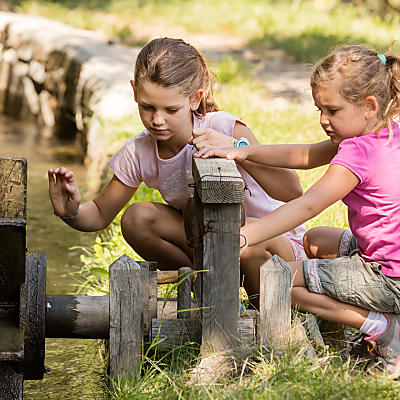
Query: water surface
pixel 75 372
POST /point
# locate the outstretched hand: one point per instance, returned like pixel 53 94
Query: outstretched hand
pixel 64 193
pixel 207 137
pixel 236 153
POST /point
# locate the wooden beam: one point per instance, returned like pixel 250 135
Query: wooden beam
pixel 126 333
pixel 220 188
pixel 173 332
pixel 71 316
pixel 275 302
pixel 13 178
pixel 184 292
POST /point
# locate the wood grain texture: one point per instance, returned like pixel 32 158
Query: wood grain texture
pixel 275 302
pixel 72 316
pixel 126 334
pixel 11 382
pixel 218 181
pixel 173 332
pixel 184 292
pixel 13 180
pixel 33 316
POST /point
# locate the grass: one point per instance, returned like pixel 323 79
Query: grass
pixel 306 29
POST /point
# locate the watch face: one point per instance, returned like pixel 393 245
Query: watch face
pixel 242 142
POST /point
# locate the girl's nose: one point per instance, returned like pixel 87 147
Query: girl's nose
pixel 158 118
pixel 323 120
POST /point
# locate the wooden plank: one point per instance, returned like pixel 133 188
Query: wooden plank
pixel 173 332
pixel 152 295
pixel 184 292
pixel 145 281
pixel 71 316
pixel 33 316
pixel 11 382
pixel 218 181
pixel 275 302
pixel 13 178
pixel 126 333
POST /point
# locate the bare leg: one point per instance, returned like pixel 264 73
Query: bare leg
pixel 156 232
pixel 255 256
pixel 322 305
pixel 322 242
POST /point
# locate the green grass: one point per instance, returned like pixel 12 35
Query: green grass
pixel 306 29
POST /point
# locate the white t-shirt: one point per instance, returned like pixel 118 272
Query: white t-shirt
pixel 138 161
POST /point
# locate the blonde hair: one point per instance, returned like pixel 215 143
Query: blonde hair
pixel 361 73
pixel 173 63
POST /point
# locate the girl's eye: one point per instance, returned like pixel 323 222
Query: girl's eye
pixel 146 107
pixel 171 110
pixel 333 111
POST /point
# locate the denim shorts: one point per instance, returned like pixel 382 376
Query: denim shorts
pixel 352 280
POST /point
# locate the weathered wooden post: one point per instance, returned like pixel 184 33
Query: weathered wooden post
pixel 13 178
pixel 220 190
pixel 275 306
pixel 126 322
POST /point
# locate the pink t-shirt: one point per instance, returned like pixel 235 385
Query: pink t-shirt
pixel 374 204
pixel 138 161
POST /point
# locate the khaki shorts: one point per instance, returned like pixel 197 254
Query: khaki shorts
pixel 352 280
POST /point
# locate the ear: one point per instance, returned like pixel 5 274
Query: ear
pixel 133 87
pixel 371 107
pixel 196 97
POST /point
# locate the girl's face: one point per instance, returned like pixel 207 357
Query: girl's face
pixel 341 119
pixel 165 112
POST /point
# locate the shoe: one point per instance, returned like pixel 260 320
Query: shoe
pixel 387 346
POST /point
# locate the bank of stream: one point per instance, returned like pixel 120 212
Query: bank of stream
pixel 75 372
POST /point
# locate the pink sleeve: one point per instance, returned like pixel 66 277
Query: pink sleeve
pixel 224 122
pixel 353 156
pixel 125 165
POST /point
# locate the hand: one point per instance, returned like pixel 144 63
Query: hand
pixel 238 154
pixel 207 137
pixel 64 193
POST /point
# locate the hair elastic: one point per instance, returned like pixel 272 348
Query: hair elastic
pixel 382 58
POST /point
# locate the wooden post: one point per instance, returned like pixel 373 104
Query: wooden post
pixel 126 333
pixel 13 179
pixel 184 292
pixel 275 302
pixel 220 189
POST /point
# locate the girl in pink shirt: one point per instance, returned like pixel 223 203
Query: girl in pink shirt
pixel 172 88
pixel 352 277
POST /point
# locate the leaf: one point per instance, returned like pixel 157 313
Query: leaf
pixel 99 272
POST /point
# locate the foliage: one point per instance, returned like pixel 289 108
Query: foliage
pixel 307 29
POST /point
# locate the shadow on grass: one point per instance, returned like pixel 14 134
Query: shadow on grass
pixel 89 4
pixel 310 47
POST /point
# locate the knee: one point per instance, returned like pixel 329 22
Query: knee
pixel 137 219
pixel 312 241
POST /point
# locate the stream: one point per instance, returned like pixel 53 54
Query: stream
pixel 75 371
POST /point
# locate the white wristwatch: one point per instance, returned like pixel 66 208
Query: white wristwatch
pixel 241 142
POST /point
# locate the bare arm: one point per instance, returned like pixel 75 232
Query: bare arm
pixel 298 156
pixel 269 178
pixel 93 215
pixel 336 183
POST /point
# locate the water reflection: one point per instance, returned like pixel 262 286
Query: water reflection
pixel 74 370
